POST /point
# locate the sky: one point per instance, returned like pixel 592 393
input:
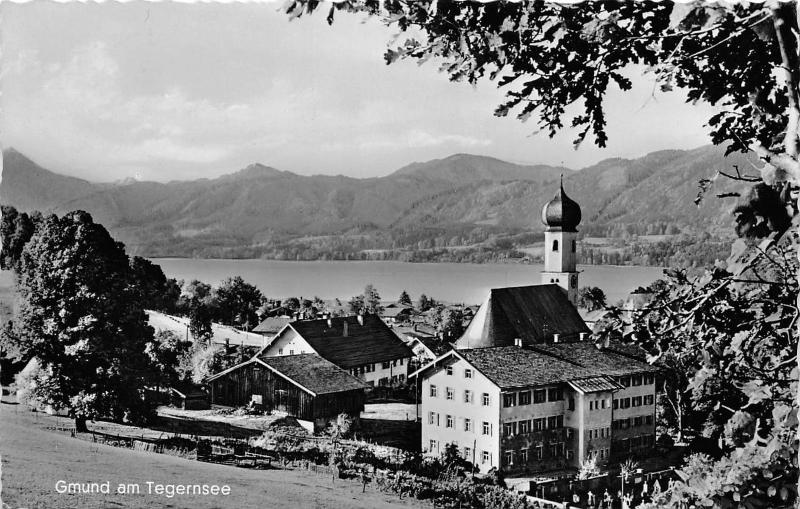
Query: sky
pixel 173 91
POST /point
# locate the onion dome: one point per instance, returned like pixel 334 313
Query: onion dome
pixel 562 212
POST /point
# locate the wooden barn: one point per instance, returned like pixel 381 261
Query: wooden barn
pixel 305 386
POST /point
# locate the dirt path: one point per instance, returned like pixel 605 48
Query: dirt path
pixel 34 459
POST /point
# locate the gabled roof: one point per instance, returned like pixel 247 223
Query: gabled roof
pixel 532 313
pixel 614 360
pixel 370 342
pixel 308 371
pixel 272 324
pixel 314 373
pixel 512 366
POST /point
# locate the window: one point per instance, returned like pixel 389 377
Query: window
pixel 486 429
pixel 467 396
pixel 556 450
pixel 509 399
pixel 468 453
pixel 467 373
pixel 525 398
pixel 555 394
pixel 523 456
pixel 394 362
pixel 572 403
pixel 449 370
pixel 433 446
pixel 638 421
pixel 602 403
pixel 509 429
pixel 649 379
pixel 648 400
pixel 636 380
pixel 485 399
pixel 538 424
pixel 570 454
pixel 538 452
pixel 485 458
pixel 555 245
pixel 508 458
pixel 386 365
pixel 401 377
pixel 648 420
pixel 433 391
pixel 616 404
pixel 539 396
pixel 625 381
pixel 431 417
pixel 552 422
pixel 280 351
pixel 625 403
pixel 591 405
pixel 451 394
pixel 291 352
pixel 467 424
pixel 524 426
pixel 570 433
pixel 574 246
pixel 560 421
pixel 636 401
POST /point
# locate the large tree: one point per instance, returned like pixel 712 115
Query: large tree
pixel 238 302
pixel 557 63
pixel 82 317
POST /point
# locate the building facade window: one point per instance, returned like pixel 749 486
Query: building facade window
pixel 636 380
pixel 431 417
pixel 467 424
pixel 485 399
pixel 432 446
pixel 509 399
pixel 538 452
pixel 636 401
pixel 524 427
pixel 468 396
pixel 449 370
pixel 525 398
pixel 485 457
pixel 555 394
pixel 509 429
pixel 538 424
pixel 434 391
pixel 451 394
pixel 648 400
pixel 539 396
pixel 486 428
pixel 508 458
pixel 448 423
pixel 467 373
pixel 555 246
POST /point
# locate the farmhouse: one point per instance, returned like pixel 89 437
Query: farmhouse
pixel 362 345
pixel 525 390
pixel 305 386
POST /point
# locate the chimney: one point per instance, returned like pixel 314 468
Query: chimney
pixel 518 342
pixel 344 328
pixel 360 319
pixel 555 338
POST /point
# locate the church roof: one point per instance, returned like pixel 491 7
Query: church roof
pixel 531 313
pixel 562 212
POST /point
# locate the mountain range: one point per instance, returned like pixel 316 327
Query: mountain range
pixel 458 202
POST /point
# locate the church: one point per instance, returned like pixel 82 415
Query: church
pixel 526 389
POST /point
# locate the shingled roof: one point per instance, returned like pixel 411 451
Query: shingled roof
pixel 370 342
pixel 512 366
pixel 313 373
pixel 532 313
pixel 272 325
pixel 612 361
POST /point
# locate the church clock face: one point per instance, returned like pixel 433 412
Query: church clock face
pixel 573 281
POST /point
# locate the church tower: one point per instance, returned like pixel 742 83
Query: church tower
pixel 561 216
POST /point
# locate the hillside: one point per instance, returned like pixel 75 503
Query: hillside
pixel 465 203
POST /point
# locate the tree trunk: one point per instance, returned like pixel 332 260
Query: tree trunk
pixel 80 425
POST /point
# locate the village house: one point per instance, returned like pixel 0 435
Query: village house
pixel 526 389
pixel 271 325
pixel 363 345
pixel 305 386
pixel 395 313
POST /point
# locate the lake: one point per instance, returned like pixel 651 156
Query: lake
pixel 451 282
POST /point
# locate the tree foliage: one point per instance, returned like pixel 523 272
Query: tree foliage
pixel 81 316
pixel 591 298
pixel 238 302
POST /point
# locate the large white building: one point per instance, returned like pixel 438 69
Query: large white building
pixel 526 389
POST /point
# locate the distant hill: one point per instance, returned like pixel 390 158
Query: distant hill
pixel 460 202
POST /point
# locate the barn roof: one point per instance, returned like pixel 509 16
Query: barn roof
pixel 370 342
pixel 314 373
pixel 307 371
pixel 532 313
